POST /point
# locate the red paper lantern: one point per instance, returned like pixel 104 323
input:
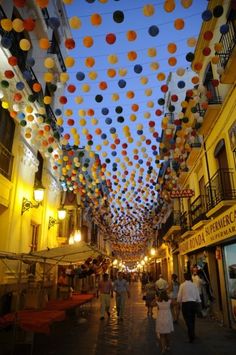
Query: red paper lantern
pixel 63 100
pixel 70 122
pixel 110 38
pixel 69 43
pixel 71 88
pixel 206 51
pixel 19 3
pixel 29 24
pixel 9 74
pixel 12 61
pixel 208 35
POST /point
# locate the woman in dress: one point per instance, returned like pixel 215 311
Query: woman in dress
pixel 164 321
pixel 150 295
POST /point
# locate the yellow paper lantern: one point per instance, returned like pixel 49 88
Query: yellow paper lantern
pixel 122 72
pixel 49 63
pixel 191 42
pixel 47 100
pixel 218 47
pixel 180 71
pixel 152 52
pixel 6 24
pixel 133 117
pixel 148 92
pixel 154 66
pixel 85 87
pixel 150 104
pixel 148 10
pixel 143 80
pixel 186 3
pixel 115 97
pixel 75 23
pixel 92 75
pixel 112 59
pixel 48 77
pixel 25 44
pixel 94 121
pixel 64 77
pixel 82 122
pixel 69 62
pixel 18 25
pixel 82 113
pixel 79 99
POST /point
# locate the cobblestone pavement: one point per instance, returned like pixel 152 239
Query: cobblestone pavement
pixel 135 335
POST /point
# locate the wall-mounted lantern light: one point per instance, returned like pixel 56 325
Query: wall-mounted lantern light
pixel 61 214
pixel 38 198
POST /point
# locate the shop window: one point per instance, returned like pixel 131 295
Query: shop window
pixel 7 130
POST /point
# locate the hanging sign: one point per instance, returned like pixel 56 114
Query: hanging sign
pixel 181 193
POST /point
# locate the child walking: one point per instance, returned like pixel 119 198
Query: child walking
pixel 164 321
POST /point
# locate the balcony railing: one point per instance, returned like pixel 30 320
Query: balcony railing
pixel 55 49
pixel 198 209
pixel 51 118
pixel 185 221
pixel 228 41
pixel 221 187
pixel 172 220
pixel 6 162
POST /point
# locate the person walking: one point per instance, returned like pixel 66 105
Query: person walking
pixel 164 321
pixel 174 289
pixel 161 284
pixel 150 295
pixel 188 296
pixel 106 292
pixel 121 288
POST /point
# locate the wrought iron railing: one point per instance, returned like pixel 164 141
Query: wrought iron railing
pixel 198 209
pixel 221 187
pixel 6 162
pixel 172 220
pixel 185 221
pixel 55 49
pixel 228 41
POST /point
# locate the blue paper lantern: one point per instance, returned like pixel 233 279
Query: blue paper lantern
pixel 80 76
pixel 181 84
pixel 108 120
pixel 112 130
pixel 105 111
pixel 120 119
pixel 207 15
pixel 30 62
pixel 122 83
pixel 98 98
pixel 103 136
pixel 118 109
pixel 138 68
pixel 20 85
pixel 224 29
pixel 153 30
pixel 6 42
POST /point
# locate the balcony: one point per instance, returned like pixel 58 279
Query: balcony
pixel 52 121
pixel 6 162
pixel 221 191
pixel 228 55
pixel 198 210
pixel 55 49
pixel 171 227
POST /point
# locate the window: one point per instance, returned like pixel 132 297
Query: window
pixel 7 130
pixel 39 173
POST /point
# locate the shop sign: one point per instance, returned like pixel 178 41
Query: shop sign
pixel 195 242
pixel 221 228
pixel 181 193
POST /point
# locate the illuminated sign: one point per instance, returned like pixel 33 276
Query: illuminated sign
pixel 181 193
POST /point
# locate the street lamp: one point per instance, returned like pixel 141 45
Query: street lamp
pixel 153 254
pixel 61 214
pixel 38 198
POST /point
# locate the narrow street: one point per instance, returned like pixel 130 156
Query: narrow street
pixel 135 335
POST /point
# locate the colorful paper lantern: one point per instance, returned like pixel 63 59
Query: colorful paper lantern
pixel 96 20
pixel 131 35
pixel 25 44
pixel 179 24
pixel 148 10
pixel 6 24
pixel 44 43
pixel 69 43
pixel 169 5
pixel 132 55
pixel 17 25
pixel 75 23
pixel 88 41
pixel 29 24
pixel 110 38
pixel 153 30
pixel 118 16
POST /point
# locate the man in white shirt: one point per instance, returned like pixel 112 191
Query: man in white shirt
pixel 161 284
pixel 189 297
